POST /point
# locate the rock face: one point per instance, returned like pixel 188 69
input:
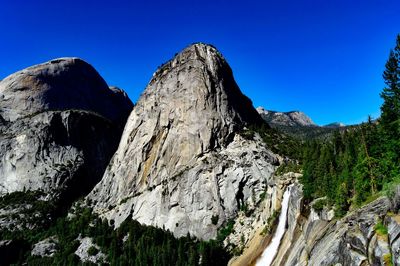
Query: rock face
pixel 367 236
pixel 393 224
pixel 293 118
pixel 181 160
pixel 59 126
pixel 45 248
pixel 252 232
pixel 90 252
pixel 58 85
pixel 352 240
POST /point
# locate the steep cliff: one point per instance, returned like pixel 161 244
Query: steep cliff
pixel 59 126
pixel 182 163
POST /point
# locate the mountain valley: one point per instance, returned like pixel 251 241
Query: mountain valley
pixel 190 174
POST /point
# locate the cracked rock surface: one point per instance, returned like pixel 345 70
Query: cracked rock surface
pixel 181 159
pixel 59 126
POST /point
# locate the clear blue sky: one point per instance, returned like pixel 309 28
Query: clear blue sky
pixel 322 57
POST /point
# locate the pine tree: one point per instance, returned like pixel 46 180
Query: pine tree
pixel 391 93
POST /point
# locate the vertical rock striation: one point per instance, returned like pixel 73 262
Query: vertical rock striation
pixel 181 160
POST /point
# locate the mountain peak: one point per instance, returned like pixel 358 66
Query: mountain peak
pixel 60 84
pixel 291 118
pixel 200 71
pixel 205 53
pixel 183 133
pixel 62 123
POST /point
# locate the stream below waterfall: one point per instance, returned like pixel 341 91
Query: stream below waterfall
pixel 270 251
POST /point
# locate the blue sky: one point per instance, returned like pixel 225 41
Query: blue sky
pixel 322 57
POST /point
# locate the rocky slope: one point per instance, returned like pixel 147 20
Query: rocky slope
pixel 181 163
pixel 317 239
pixel 59 126
pixel 367 236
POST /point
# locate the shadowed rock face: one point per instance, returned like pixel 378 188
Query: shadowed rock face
pixel 181 160
pixel 60 124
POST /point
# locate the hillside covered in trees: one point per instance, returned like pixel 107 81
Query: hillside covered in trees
pixel 360 163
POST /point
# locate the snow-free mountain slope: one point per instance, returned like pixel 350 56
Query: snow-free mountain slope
pixel 59 126
pixel 181 163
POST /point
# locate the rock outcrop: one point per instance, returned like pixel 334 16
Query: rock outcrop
pixel 182 163
pixel 368 236
pixel 293 118
pixel 59 126
pixel 90 252
pixel 45 248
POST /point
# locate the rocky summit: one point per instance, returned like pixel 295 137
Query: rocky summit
pixel 182 163
pixel 59 126
pixel 293 118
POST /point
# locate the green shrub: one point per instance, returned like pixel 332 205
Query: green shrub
pixel 387 259
pixel 381 229
pixel 92 251
pixel 225 231
pixel 270 222
pixel 214 219
pixel 262 196
pixel 288 167
pixel 319 204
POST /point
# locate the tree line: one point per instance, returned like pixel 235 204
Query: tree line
pixel 358 164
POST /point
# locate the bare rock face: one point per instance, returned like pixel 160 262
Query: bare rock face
pixel 351 240
pixel 181 163
pixel 45 248
pixel 59 126
pixel 252 232
pixel 393 224
pixel 84 254
pixel 366 236
pixel 58 85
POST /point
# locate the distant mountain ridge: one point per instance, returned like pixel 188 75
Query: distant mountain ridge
pixel 298 124
pixel 292 118
pixel 335 125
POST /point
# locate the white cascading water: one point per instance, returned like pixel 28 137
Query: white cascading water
pixel 269 253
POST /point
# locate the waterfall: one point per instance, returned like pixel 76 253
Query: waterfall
pixel 269 253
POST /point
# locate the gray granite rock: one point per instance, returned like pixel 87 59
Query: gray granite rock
pixel 45 248
pixel 351 240
pixel 58 85
pixel 393 224
pixel 60 125
pixel 83 252
pixel 181 159
pixel 293 118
